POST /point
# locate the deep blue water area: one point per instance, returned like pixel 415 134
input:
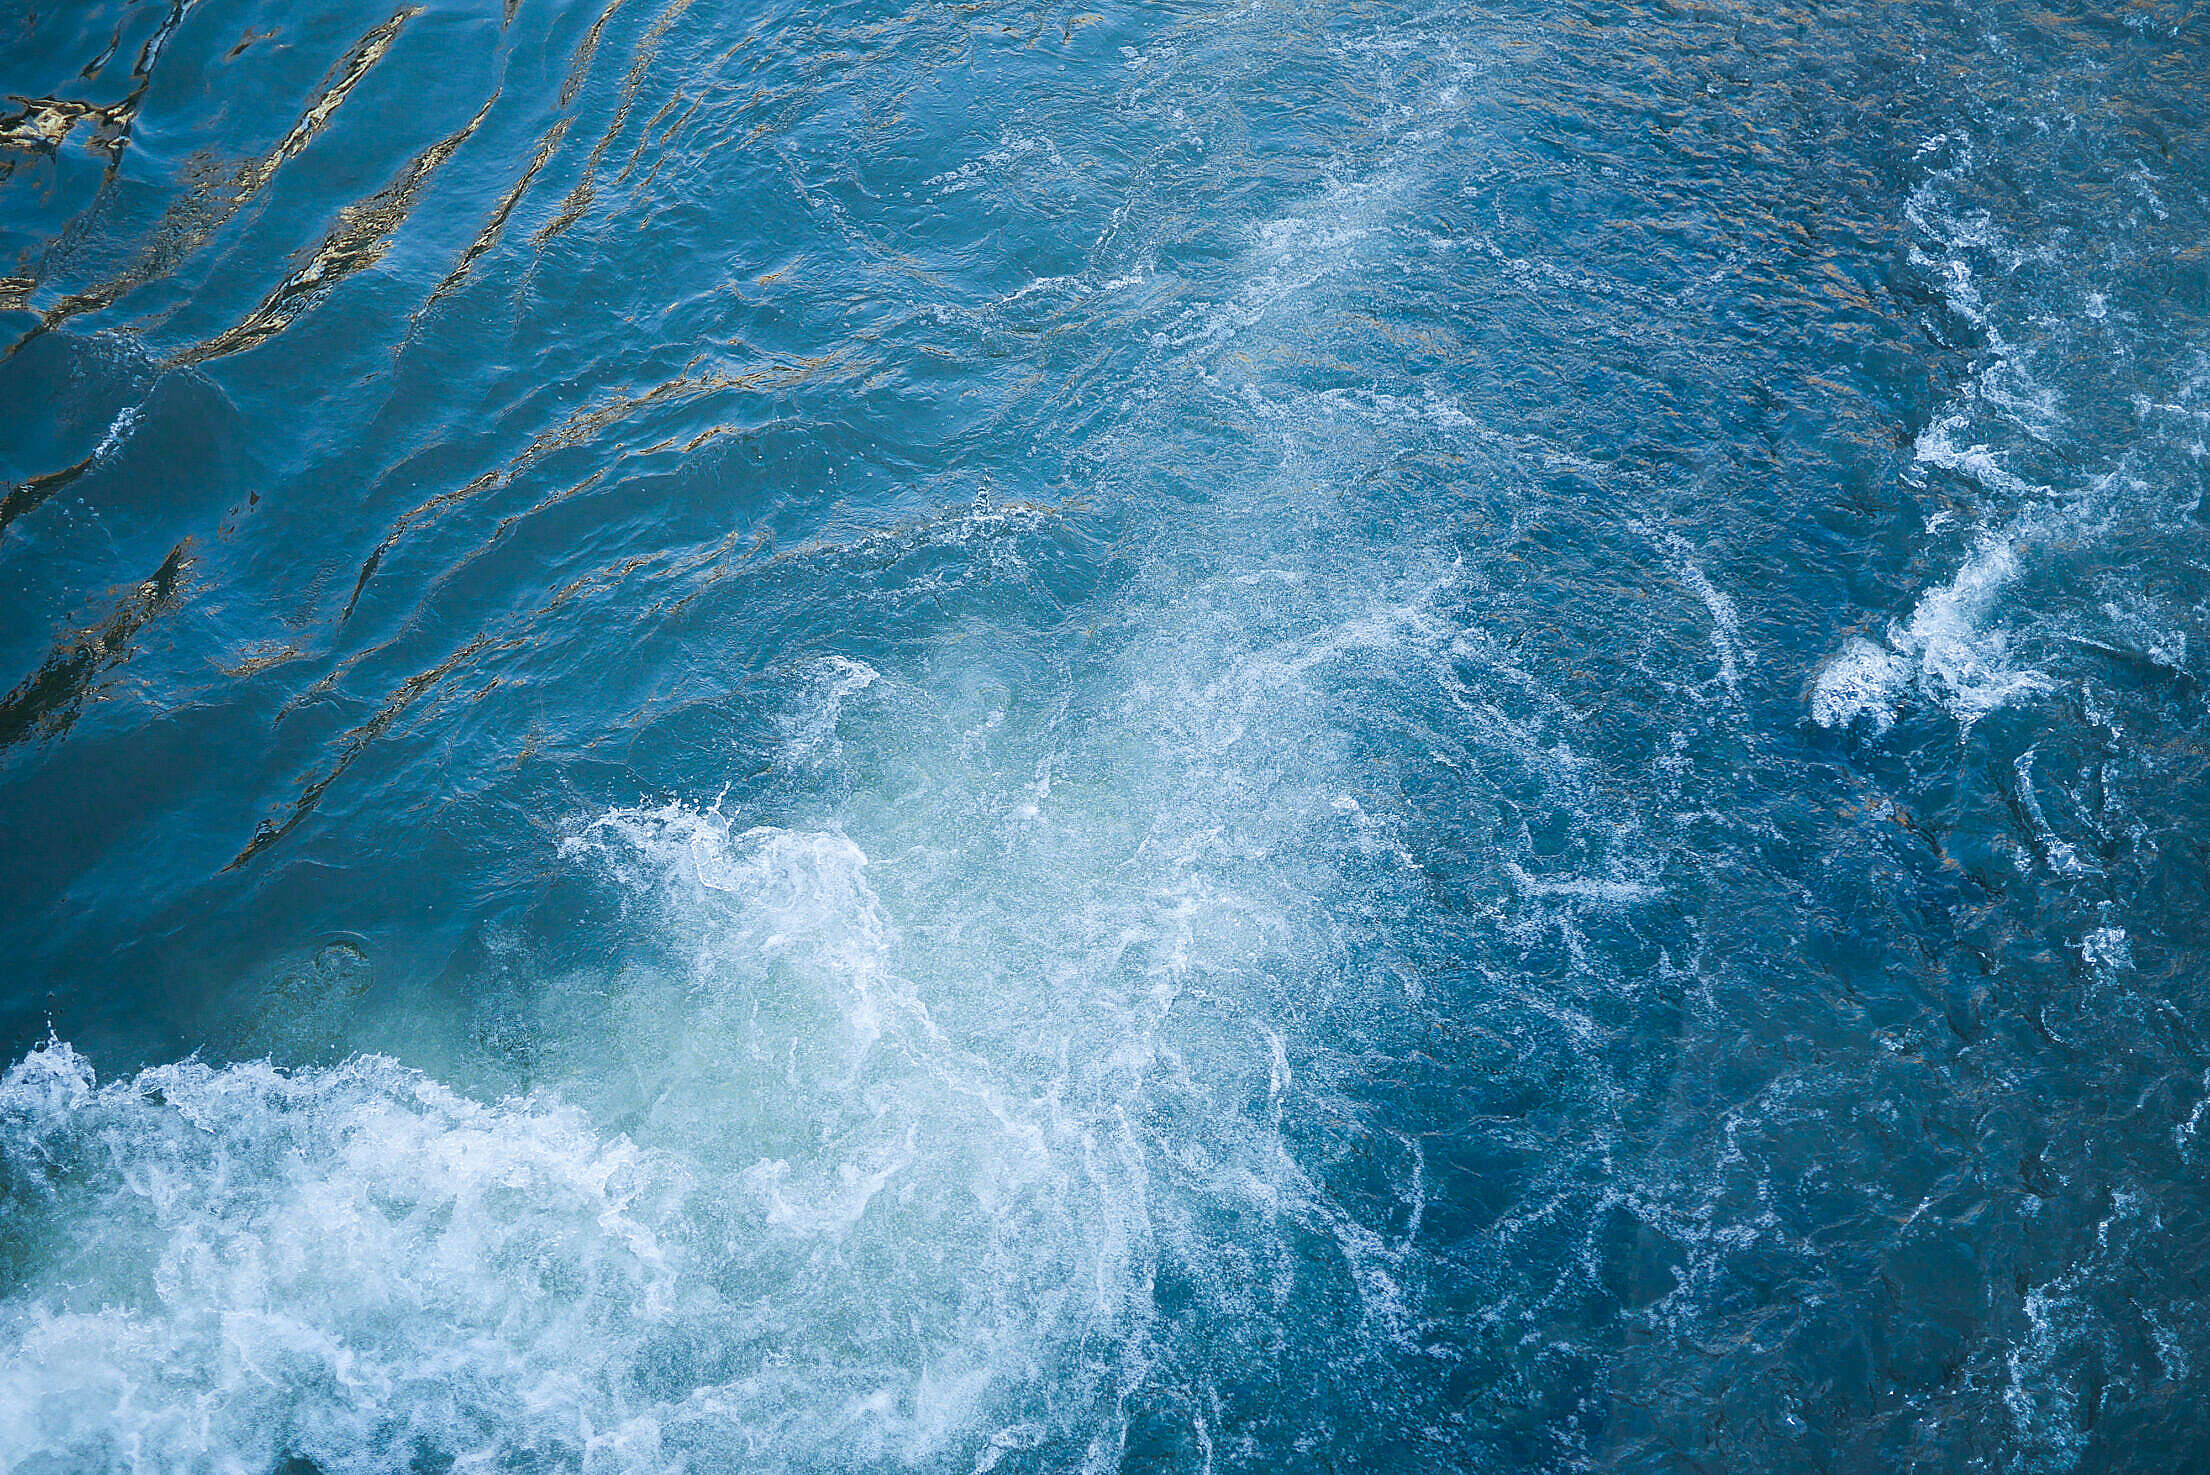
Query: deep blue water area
pixel 1252 736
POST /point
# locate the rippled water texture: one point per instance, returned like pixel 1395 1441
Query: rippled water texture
pixel 1202 737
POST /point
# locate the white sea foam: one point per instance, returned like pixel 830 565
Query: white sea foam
pixel 1860 682
pixel 2066 1326
pixel 118 431
pixel 810 729
pixel 1952 650
pixel 2061 855
pixel 1947 651
pixel 1606 890
pixel 2107 950
pixel 829 1234
pixel 244 1263
pixel 1726 621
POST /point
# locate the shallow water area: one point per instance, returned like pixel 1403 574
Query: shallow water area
pixel 1184 738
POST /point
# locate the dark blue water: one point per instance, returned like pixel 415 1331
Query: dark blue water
pixel 1200 737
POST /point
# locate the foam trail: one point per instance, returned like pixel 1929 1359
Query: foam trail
pixel 869 1145
pixel 1947 651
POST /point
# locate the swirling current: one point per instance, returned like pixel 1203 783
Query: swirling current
pixel 1231 735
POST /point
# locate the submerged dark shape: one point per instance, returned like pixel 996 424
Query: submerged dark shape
pixel 27 495
pixel 218 194
pixel 48 700
pixel 360 237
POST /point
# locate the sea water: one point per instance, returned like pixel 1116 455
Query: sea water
pixel 1192 737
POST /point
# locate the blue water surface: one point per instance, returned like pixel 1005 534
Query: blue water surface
pixel 1253 736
